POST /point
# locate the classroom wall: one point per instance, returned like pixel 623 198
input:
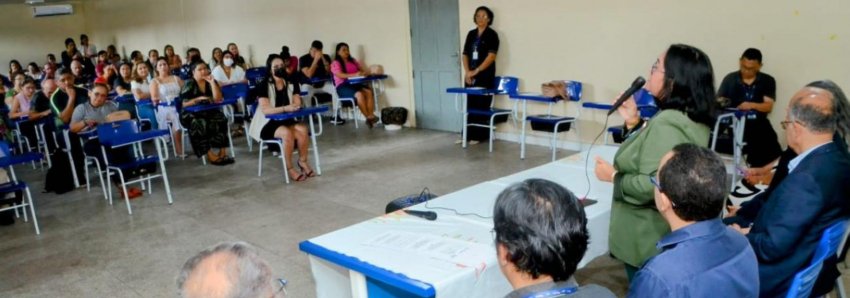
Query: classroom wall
pixel 606 43
pixel 377 31
pixel 29 39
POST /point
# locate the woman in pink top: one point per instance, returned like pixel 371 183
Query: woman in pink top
pixel 360 92
pixel 21 107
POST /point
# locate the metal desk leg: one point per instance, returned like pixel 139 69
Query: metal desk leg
pixel 315 146
pixel 465 119
pixel 358 284
pixel 71 158
pixel 522 138
pixel 164 173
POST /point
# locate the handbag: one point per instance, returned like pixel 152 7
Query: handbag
pixel 554 89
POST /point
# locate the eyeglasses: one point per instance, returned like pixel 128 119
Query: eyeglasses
pixel 655 67
pixel 658 185
pixel 482 17
pixel 784 124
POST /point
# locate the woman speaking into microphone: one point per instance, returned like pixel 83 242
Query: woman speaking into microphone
pixel 682 83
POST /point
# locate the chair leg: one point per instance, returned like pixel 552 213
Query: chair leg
pixel 230 141
pixel 24 211
pixel 491 128
pixel 100 176
pixel 353 113
pixel 126 195
pixel 555 142
pixel 32 211
pixel 17 215
pixel 260 163
pixel 88 183
pixel 109 188
pixel 839 285
pixel 285 162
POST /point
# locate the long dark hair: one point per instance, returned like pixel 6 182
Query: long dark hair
pixel 337 57
pixel 16 63
pixel 840 107
pixel 689 84
pixel 213 55
pixel 165 51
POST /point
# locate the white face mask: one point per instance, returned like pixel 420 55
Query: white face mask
pixel 228 62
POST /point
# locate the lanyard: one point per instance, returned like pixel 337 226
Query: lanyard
pixel 475 45
pixel 553 293
pixel 749 92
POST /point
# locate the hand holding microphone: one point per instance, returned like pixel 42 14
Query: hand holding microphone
pixel 625 103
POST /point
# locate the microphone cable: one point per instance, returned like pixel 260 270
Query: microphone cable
pixel 587 158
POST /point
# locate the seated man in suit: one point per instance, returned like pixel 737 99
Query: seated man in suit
pixel 701 257
pixel 541 263
pixel 809 193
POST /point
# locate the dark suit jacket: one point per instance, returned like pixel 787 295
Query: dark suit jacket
pixel 792 217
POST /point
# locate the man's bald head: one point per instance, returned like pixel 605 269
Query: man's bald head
pixel 229 270
pixel 48 86
pixel 813 109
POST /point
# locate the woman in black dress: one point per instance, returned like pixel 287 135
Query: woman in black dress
pixel 479 64
pixel 275 97
pixel 207 129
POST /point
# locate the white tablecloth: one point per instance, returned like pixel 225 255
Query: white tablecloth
pixel 478 278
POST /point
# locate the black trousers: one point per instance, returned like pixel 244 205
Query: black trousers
pixel 762 142
pixel 479 102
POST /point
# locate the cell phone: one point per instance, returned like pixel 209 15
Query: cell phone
pixel 204 101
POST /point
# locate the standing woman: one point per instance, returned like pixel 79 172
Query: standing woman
pixel 682 83
pixel 165 88
pixel 174 61
pixel 216 58
pixel 345 67
pixel 207 129
pixel 479 64
pixel 275 97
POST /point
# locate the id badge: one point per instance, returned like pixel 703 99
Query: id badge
pixel 475 55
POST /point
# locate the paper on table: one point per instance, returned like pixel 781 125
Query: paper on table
pixel 441 248
pixel 475 88
pixel 356 78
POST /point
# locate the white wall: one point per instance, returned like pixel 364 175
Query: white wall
pixel 607 43
pixel 29 39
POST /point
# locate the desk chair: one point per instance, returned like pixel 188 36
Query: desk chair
pixel 126 133
pixel 833 238
pixel 239 92
pixel 8 161
pixel 646 108
pixel 255 76
pixel 551 123
pixel 91 160
pixel 504 86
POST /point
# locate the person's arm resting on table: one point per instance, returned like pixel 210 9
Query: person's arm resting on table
pixel 764 107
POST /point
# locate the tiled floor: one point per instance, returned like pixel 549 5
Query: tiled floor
pixel 91 249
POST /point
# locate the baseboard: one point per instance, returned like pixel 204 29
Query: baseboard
pixel 544 140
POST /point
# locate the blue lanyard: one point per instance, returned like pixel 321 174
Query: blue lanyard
pixel 475 45
pixel 749 92
pixel 553 293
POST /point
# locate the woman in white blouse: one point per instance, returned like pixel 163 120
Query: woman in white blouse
pixel 140 87
pixel 227 73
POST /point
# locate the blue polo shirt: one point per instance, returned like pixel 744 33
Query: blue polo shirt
pixel 704 259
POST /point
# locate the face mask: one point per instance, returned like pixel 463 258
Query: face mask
pixel 280 73
pixel 228 62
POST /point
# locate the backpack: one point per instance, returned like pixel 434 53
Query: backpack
pixel 59 177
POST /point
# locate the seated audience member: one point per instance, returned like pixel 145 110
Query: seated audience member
pixel 51 59
pixel 345 67
pixel 40 108
pixel 701 257
pixel 174 61
pixel 237 58
pixel 228 270
pixel 193 55
pixel 136 57
pixel 81 77
pixel 49 71
pixel 276 98
pixel 62 103
pixel 207 129
pixel 99 110
pixel 165 88
pixel 749 89
pixel 102 62
pixel 111 51
pixel 15 67
pixel 153 55
pixel 215 61
pixel 88 50
pixel 228 73
pixel 21 107
pixel 545 260
pixel 70 51
pixel 34 72
pixel 808 194
pixel 122 84
pixel 141 89
pixel 291 62
pixel 315 64
pixel 18 79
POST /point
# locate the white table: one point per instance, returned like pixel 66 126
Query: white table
pixel 344 266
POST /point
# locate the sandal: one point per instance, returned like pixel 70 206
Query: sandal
pixel 310 174
pixel 133 192
pixel 301 176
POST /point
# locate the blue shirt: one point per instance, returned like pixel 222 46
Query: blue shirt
pixel 796 161
pixel 704 259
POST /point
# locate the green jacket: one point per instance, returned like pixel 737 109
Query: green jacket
pixel 636 225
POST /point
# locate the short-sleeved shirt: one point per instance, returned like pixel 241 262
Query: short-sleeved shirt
pixel 282 97
pixel 145 86
pixel 120 82
pixel 89 112
pixel 59 101
pixel 738 92
pixel 305 62
pixel 487 43
pixel 40 103
pixel 351 66
pixel 237 74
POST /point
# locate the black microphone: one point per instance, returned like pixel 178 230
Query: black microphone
pixel 429 215
pixel 636 85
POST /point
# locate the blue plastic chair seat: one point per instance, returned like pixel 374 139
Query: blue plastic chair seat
pixel 136 163
pixel 551 119
pixel 615 129
pixel 489 112
pixel 12 187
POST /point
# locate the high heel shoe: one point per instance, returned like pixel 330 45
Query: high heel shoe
pixel 301 176
pixel 310 174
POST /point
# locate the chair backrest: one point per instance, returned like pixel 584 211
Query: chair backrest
pixel 507 85
pixel 234 91
pixel 573 90
pixel 126 97
pixel 113 130
pixel 255 75
pixel 801 285
pixel 646 103
pixel 4 149
pixel 829 242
